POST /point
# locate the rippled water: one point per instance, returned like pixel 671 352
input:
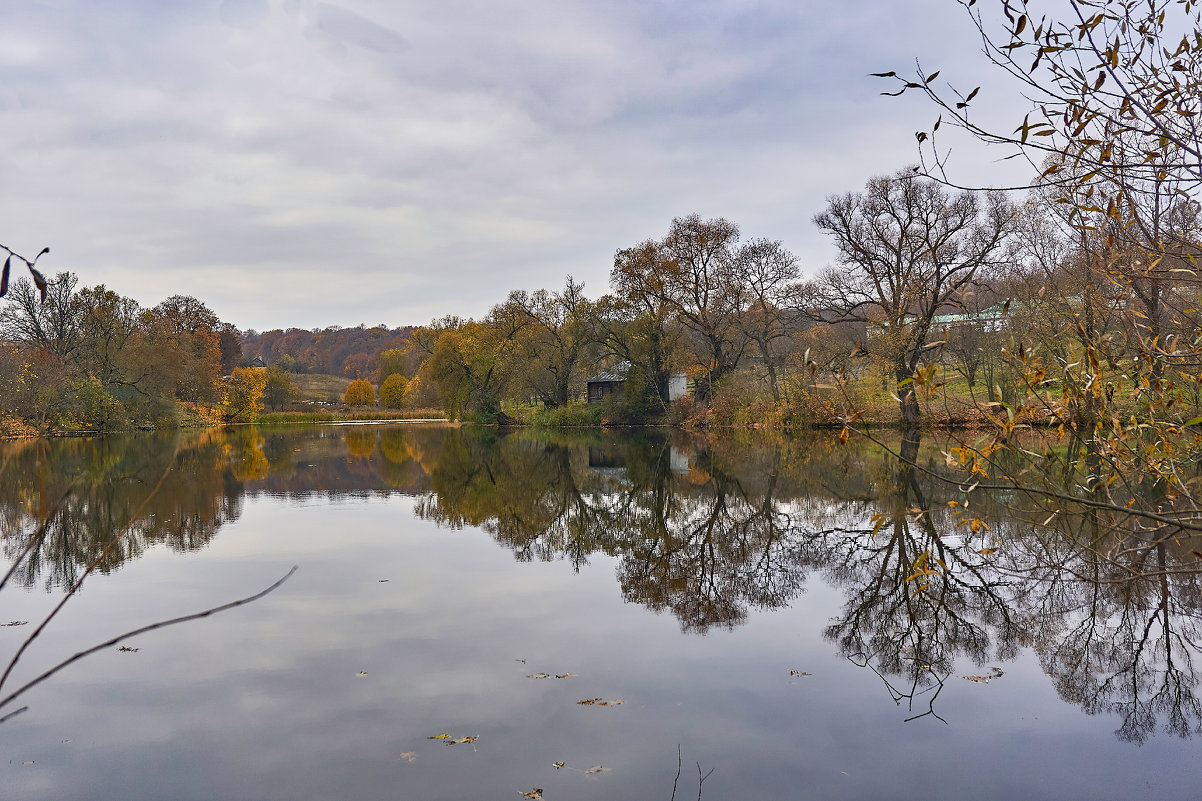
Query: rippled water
pixel 751 602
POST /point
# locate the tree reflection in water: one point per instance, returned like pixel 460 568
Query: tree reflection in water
pixel 708 529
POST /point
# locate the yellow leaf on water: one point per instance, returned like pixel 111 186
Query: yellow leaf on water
pixel 537 792
pixel 559 765
pixel 438 737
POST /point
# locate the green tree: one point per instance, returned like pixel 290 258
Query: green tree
pixel 360 393
pixel 279 390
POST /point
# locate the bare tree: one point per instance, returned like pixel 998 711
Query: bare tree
pixel 768 274
pixel 907 249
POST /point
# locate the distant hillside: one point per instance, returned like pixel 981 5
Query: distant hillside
pixel 350 352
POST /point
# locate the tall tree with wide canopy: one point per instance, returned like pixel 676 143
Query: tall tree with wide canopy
pixel 907 249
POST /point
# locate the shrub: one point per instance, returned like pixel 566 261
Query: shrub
pixel 360 393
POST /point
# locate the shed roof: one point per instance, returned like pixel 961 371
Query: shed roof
pixel 615 373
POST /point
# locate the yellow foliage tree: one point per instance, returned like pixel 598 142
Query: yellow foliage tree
pixel 244 394
pixel 392 391
pixel 360 393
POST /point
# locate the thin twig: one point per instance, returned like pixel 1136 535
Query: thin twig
pixel 37 537
pixel 677 779
pixel 87 571
pixel 133 633
pixel 701 779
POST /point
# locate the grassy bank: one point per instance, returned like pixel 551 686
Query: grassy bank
pixel 336 415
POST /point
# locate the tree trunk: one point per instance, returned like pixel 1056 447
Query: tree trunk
pixel 907 398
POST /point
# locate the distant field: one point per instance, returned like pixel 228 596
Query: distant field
pixel 317 387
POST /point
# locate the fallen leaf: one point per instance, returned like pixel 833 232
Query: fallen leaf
pixel 523 661
pixel 409 756
pixel 987 551
pixel 127 649
pixel 799 673
pixel 361 674
pixel 588 701
pixel 438 737
pixel 462 740
pixel 559 765
pixel 564 675
pixel 596 769
pixel 537 792
pixel 994 672
pixel 539 676
pixel 609 703
pixel 15 623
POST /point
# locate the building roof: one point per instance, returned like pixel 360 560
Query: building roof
pixel 615 373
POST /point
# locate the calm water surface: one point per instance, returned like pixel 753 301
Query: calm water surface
pixel 752 604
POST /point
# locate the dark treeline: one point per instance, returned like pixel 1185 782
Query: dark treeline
pixel 350 352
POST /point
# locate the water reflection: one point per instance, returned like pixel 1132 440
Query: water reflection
pixel 709 530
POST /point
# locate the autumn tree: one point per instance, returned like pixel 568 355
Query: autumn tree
pixel 553 341
pixel 470 363
pixel 244 394
pixel 690 274
pixel 359 393
pixel 907 249
pixel 50 322
pixel 769 276
pixel 635 324
pixel 185 335
pixel 392 391
pixel 1113 137
pixel 393 361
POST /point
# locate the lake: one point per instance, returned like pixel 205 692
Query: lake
pixel 578 615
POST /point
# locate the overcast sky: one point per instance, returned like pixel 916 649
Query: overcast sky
pixel 301 163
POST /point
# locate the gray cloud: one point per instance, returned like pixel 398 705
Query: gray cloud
pixel 302 163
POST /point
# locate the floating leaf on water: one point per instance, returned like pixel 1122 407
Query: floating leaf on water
pixel 994 672
pixel 438 737
pixel 564 675
pixel 596 769
pixel 559 765
pixel 523 661
pixel 539 676
pixel 127 649
pixel 27 762
pixel 588 701
pixel 15 623
pixel 610 703
pixel 409 756
pixel 361 674
pixel 461 740
pixel 799 673
pixel 537 792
